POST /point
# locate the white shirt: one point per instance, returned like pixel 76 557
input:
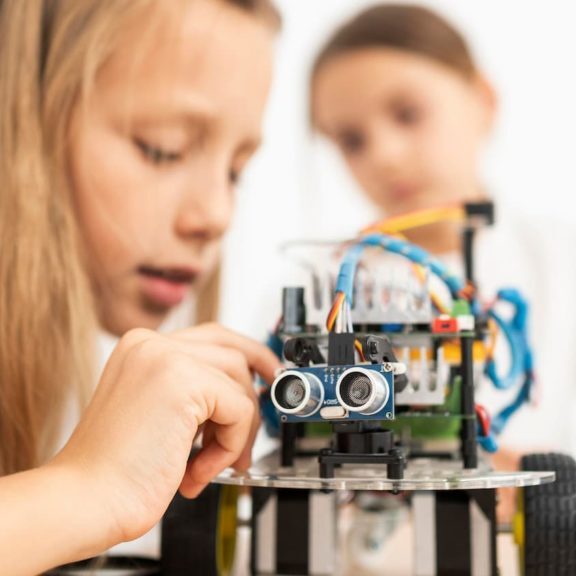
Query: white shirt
pixel 536 258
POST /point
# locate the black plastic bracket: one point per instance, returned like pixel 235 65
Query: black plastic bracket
pixel 302 352
pixel 362 443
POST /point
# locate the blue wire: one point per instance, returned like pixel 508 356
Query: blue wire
pixel 517 350
pixel 345 281
pixel 501 420
pixel 516 332
pixel 488 443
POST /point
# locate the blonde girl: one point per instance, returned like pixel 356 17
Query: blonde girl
pixel 124 125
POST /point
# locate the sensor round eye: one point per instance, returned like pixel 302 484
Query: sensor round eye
pixel 362 391
pixel 298 393
pixel 291 392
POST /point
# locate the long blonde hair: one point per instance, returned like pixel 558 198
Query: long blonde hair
pixel 49 53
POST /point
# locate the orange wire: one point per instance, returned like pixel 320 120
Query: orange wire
pixel 335 310
pixel 468 291
pixel 419 271
pixel 359 349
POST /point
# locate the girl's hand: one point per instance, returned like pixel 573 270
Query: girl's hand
pixel 132 445
pixel 240 358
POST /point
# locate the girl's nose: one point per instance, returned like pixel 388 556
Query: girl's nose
pixel 387 149
pixel 206 209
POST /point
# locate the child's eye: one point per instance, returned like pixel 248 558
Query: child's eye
pixel 234 176
pixel 156 154
pixel 351 142
pixel 407 115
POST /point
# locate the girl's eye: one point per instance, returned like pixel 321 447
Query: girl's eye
pixel 156 154
pixel 234 176
pixel 407 115
pixel 351 142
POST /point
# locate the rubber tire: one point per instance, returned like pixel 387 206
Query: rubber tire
pixel 550 517
pixel 194 540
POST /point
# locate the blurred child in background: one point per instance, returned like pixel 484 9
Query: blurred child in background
pixel 397 90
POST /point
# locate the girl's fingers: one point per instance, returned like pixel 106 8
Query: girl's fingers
pixel 226 381
pixel 231 362
pixel 235 363
pixel 259 357
pixel 244 461
pixel 230 425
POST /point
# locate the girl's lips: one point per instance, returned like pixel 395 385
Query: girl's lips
pixel 166 287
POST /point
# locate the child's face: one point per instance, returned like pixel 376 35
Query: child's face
pixel 410 129
pixel 156 150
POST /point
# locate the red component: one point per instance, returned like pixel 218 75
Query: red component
pixel 483 419
pixel 444 324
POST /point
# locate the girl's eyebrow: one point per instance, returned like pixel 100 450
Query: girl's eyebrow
pixel 202 113
pixel 193 112
pixel 196 109
pixel 178 110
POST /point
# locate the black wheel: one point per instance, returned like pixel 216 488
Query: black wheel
pixel 546 520
pixel 199 536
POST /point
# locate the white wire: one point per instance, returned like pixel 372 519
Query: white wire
pixel 339 319
pixel 349 317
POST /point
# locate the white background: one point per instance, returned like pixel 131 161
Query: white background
pixel 297 187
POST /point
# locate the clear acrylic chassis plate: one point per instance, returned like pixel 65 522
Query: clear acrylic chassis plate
pixel 420 474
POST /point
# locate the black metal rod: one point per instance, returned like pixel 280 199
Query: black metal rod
pixel 468 238
pixel 288 435
pixel 468 445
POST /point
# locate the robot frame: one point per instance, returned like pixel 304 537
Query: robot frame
pixel 357 376
pixel 358 385
pixel 364 403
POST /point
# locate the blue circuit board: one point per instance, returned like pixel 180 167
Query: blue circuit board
pixel 331 410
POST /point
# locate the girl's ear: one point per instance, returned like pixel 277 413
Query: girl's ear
pixel 488 100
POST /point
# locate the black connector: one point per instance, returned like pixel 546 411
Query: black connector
pixel 341 349
pixel 483 213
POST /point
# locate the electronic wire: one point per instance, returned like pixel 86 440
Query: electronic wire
pixel 388 235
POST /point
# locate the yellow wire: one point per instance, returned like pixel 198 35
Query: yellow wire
pixel 419 271
pixel 417 219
